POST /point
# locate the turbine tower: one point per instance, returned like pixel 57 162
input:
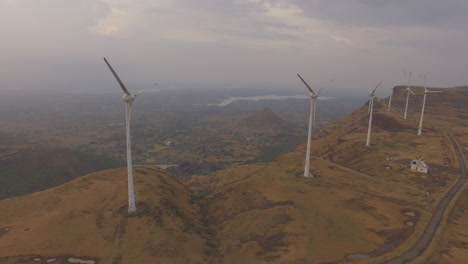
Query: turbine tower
pixel 390 98
pixel 313 99
pixel 371 104
pixel 407 96
pixel 426 91
pixel 128 98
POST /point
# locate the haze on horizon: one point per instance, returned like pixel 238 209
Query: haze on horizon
pixel 59 45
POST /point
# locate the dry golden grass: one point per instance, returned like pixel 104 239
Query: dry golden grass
pixel 82 218
pixel 270 213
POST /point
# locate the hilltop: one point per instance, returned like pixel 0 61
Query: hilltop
pixel 265 119
pixel 83 219
pixel 364 206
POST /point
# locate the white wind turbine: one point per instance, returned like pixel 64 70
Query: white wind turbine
pixel 407 96
pixel 128 99
pixel 371 104
pixel 313 97
pixel 426 91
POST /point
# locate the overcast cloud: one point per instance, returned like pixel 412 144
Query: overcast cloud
pixel 59 44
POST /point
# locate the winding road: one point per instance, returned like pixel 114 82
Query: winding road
pixel 421 245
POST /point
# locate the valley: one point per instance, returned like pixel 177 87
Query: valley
pixel 168 127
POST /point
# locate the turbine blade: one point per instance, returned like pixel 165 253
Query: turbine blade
pixel 117 77
pixel 411 92
pixel 321 89
pixel 308 87
pixel 377 86
pixel 435 91
pixel 140 92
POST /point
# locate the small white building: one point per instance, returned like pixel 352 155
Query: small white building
pixel 419 166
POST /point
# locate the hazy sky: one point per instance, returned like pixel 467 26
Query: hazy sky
pixel 59 44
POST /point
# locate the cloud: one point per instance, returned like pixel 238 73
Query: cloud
pixel 384 13
pixel 240 42
pixel 112 24
pixel 203 21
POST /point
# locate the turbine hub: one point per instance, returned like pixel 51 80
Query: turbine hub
pixel 128 98
pixel 313 96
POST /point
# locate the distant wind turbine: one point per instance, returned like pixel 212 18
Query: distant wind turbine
pixel 426 91
pixel 313 98
pixel 371 104
pixel 128 99
pixel 407 96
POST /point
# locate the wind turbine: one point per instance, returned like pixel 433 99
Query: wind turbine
pixel 128 99
pixel 407 96
pixel 371 104
pixel 313 99
pixel 426 91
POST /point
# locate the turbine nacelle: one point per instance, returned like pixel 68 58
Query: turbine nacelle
pixel 128 98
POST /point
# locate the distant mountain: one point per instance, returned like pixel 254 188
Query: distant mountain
pixel 264 119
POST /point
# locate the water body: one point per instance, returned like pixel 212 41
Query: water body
pixel 227 101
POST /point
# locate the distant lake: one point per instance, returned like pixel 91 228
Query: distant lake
pixel 227 101
pixel 162 166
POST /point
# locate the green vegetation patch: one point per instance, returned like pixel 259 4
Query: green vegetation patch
pixel 36 168
pixel 271 153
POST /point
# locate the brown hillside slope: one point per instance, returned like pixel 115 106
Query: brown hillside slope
pixel 81 219
pixel 268 213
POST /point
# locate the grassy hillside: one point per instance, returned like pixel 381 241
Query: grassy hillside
pixel 83 219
